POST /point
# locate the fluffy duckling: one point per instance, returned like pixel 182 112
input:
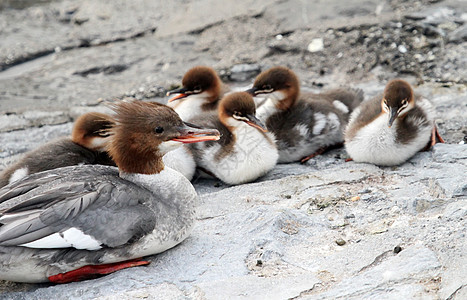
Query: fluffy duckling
pixel 200 93
pixel 391 128
pixel 86 146
pixel 245 150
pixel 304 124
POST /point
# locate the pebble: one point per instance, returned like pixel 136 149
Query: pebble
pixel 316 45
pixel 340 242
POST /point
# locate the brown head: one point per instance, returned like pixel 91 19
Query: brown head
pixel 144 132
pixel 91 131
pixel 239 107
pixel 200 81
pixel 398 100
pixel 279 84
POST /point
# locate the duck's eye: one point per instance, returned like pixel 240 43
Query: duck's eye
pixel 159 129
pixel 237 114
pixel 267 87
pixel 404 102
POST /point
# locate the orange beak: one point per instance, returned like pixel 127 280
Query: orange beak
pixel 179 96
pixel 190 133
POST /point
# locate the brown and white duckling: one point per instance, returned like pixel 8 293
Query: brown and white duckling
pixel 390 128
pixel 66 224
pixel 304 124
pixel 200 93
pixel 86 146
pixel 245 150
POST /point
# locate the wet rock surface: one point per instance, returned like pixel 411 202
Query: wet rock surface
pixel 324 230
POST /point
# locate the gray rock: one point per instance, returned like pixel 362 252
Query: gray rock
pixel 244 72
pixel 414 263
pixel 459 35
pixel 274 238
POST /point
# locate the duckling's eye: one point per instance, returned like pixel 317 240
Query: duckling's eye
pixel 404 102
pixel 267 87
pixel 197 89
pixel 159 129
pixel 237 114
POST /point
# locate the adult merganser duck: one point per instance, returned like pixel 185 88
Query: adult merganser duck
pixel 86 146
pixel 306 124
pixel 65 224
pixel 245 150
pixel 200 93
pixel 391 128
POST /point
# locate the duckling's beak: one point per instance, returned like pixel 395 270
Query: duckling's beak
pixel 190 133
pixel 392 116
pixel 252 91
pixel 253 121
pixel 181 91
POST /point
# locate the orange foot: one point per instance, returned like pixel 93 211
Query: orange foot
pixel 318 152
pixel 321 151
pixel 94 271
pixel 435 136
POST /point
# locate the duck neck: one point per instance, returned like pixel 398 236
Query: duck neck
pixel 131 158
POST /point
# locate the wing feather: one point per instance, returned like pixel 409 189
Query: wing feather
pixel 83 210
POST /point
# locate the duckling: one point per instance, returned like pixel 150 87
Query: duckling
pixel 391 128
pixel 71 223
pixel 304 124
pixel 86 146
pixel 245 151
pixel 200 93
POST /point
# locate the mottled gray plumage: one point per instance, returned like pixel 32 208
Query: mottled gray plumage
pixel 305 124
pixel 75 199
pixel 121 215
pixel 59 153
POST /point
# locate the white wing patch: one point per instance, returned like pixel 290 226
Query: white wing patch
pixel 18 174
pixel 72 237
pixel 333 121
pixel 302 129
pixel 340 106
pixel 320 123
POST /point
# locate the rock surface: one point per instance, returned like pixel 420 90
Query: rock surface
pixel 328 229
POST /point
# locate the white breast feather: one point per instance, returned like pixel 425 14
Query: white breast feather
pixel 376 142
pixel 189 107
pixel 181 160
pixel 267 109
pixel 252 156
